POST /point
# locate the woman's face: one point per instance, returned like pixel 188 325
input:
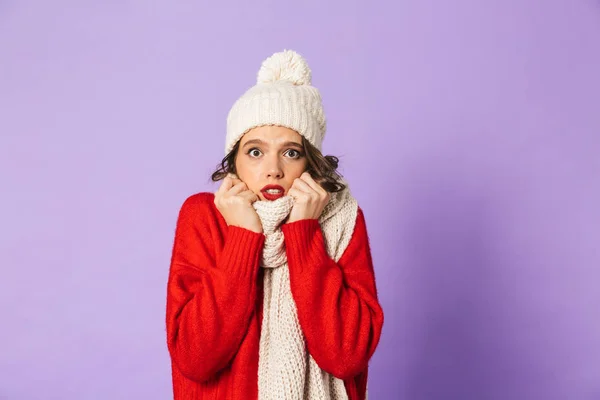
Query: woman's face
pixel 269 158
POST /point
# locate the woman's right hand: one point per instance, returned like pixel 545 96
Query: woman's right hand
pixel 234 201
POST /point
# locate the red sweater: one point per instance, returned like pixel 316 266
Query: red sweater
pixel 214 303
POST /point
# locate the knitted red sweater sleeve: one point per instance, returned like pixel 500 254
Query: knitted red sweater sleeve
pixel 337 303
pixel 211 291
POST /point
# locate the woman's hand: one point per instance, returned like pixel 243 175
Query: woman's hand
pixel 234 201
pixel 309 199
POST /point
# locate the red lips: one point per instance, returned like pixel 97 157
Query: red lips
pixel 272 196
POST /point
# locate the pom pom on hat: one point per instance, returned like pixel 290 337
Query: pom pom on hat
pixel 283 96
pixel 285 66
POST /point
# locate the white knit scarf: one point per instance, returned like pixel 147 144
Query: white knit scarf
pixel 286 370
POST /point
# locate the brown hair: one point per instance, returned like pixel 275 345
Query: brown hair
pixel 323 169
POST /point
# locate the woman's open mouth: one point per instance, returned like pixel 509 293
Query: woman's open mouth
pixel 272 192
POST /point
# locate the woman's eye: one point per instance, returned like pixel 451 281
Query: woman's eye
pixel 293 153
pixel 254 153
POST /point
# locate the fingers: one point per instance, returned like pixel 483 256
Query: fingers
pixel 307 184
pixel 312 183
pixel 225 186
pixel 298 195
pixel 302 185
pixel 237 189
pixel 228 182
pixel 248 195
pixel 234 179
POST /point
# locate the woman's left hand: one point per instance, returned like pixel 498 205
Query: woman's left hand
pixel 309 198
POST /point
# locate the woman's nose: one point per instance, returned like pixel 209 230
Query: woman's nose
pixel 274 170
pixel 274 173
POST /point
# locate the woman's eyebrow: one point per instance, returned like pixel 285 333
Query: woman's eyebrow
pixel 253 141
pixel 286 144
pixel 293 144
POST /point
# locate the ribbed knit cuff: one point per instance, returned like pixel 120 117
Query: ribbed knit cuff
pixel 304 242
pixel 241 252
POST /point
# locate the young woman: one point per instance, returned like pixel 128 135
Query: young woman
pixel 271 291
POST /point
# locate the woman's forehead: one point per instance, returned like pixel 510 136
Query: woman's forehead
pixel 272 135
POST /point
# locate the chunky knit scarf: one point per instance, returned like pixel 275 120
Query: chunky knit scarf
pixel 286 370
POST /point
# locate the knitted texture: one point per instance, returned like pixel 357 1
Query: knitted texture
pixel 283 96
pixel 286 370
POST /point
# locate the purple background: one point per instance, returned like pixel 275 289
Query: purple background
pixel 469 130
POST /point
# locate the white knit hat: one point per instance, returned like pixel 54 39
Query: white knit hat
pixel 282 96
